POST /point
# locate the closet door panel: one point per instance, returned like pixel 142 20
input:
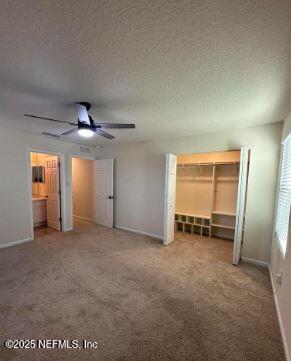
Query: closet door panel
pixel 241 204
pixel 170 198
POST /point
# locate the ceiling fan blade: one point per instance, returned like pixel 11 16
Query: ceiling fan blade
pixel 51 119
pixel 50 134
pixel 104 134
pixel 115 125
pixel 70 131
pixel 82 113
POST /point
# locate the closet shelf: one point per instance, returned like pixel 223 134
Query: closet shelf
pixel 224 213
pixel 193 215
pixel 208 164
pixel 222 226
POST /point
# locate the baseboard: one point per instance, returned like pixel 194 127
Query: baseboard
pixel 255 261
pixel 138 232
pixel 14 243
pixel 283 334
pixel 84 218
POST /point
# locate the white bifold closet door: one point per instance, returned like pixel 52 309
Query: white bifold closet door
pixel 103 192
pixel 170 199
pixel 53 193
pixel 241 203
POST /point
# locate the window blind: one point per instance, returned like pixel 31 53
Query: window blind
pixel 284 197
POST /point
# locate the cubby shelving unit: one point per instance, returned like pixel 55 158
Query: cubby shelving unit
pixel 193 223
pixel 200 224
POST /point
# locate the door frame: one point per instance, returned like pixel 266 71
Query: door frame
pixel 87 157
pixel 198 152
pixel 80 156
pixel 29 182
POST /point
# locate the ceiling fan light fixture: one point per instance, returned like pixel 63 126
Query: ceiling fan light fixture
pixel 87 133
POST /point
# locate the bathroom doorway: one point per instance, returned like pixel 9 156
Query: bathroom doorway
pixel 46 200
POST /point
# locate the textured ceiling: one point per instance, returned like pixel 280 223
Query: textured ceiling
pixel 172 67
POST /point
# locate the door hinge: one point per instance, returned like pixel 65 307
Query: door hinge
pixel 60 219
pixel 59 191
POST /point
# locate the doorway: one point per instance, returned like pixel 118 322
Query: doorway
pixel 92 192
pixel 82 193
pixel 206 196
pixel 45 183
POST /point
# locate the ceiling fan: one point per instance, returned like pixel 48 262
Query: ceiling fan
pixel 86 126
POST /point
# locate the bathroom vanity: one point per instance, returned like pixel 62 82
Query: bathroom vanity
pixel 39 211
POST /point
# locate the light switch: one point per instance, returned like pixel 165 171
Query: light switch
pixel 278 278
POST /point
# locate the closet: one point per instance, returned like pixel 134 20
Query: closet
pixel 206 193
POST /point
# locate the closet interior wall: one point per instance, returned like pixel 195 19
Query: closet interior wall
pixel 206 194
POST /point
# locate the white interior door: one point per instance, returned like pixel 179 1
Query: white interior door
pixel 170 199
pixel 53 193
pixel 103 192
pixel 241 203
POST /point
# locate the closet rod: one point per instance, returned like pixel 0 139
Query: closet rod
pixel 206 164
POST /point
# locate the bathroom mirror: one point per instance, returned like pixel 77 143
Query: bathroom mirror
pixel 38 174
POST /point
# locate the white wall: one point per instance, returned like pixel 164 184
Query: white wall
pixel 14 199
pixel 280 264
pixel 139 178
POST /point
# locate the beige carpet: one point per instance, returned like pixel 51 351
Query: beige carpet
pixel 137 299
